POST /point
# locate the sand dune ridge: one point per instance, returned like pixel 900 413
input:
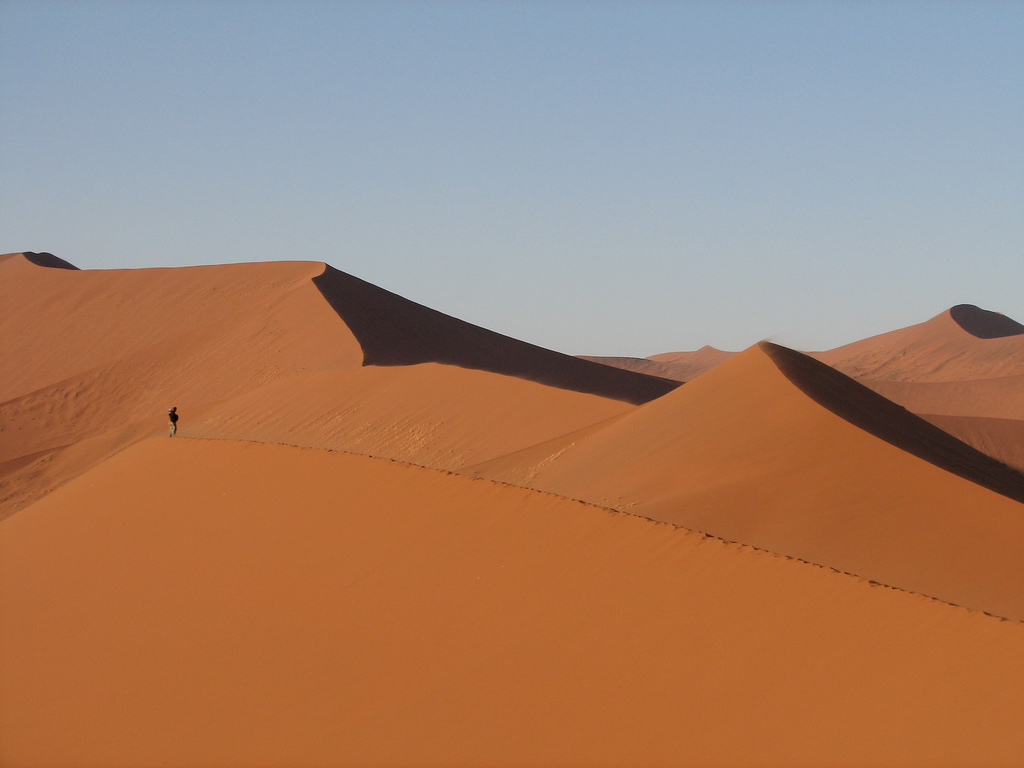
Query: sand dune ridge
pixel 394 331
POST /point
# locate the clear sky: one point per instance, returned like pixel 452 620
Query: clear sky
pixel 619 178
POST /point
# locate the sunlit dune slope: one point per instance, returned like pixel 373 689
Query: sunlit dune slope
pixel 220 603
pixel 188 331
pixel 747 452
pixel 680 366
pixel 27 478
pixel 998 398
pixel 1002 439
pixel 639 364
pixel 93 359
pixel 962 343
pixel 429 414
pixel 966 362
pixel 690 365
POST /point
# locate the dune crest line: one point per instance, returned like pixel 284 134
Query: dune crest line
pixel 395 331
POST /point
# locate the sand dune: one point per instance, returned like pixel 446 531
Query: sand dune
pixel 29 477
pixel 429 414
pixel 395 331
pixel 679 366
pixel 99 351
pixel 231 326
pixel 253 599
pixel 962 343
pixel 638 364
pixel 998 398
pixel 101 355
pixel 1002 439
pixel 965 363
pixel 220 603
pixel 690 365
pixel 744 453
pixel 40 260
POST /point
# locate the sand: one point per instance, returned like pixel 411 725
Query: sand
pixel 225 603
pixel 395 331
pixel 384 536
pixel 743 453
pixel 1002 439
pixel 102 354
pixel 966 363
pixel 679 366
pixel 428 414
pixel 960 344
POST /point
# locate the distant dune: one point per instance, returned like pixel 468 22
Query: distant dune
pixel 384 536
pixel 963 343
pixel 680 366
pixel 41 260
pixel 1002 439
pixel 693 364
pixel 984 324
pixel 966 362
pixel 638 364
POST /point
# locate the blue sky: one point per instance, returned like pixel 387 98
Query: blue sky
pixel 599 178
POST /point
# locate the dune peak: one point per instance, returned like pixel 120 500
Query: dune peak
pixel 48 260
pixel 875 414
pixel 984 324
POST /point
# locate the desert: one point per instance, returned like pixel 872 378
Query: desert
pixel 384 536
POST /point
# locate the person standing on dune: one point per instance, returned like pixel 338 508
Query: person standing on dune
pixel 172 421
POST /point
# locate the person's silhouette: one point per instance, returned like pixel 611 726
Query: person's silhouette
pixel 172 421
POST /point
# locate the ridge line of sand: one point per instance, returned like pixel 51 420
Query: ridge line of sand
pixel 889 421
pixel 28 460
pixel 613 511
pixel 395 331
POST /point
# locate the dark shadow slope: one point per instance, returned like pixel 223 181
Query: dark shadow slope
pixel 48 260
pixel 395 331
pixel 890 422
pixel 984 324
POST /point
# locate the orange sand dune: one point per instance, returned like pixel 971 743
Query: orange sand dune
pixel 962 343
pixel 966 362
pixel 95 358
pixel 679 366
pixel 226 328
pixel 93 353
pixel 28 478
pixel 395 331
pixel 999 398
pixel 1002 439
pixel 434 415
pixel 638 364
pixel 218 603
pixel 745 453
pixel 690 365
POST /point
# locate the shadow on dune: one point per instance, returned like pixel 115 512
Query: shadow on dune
pixel 984 324
pixel 48 260
pixel 890 422
pixel 395 331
